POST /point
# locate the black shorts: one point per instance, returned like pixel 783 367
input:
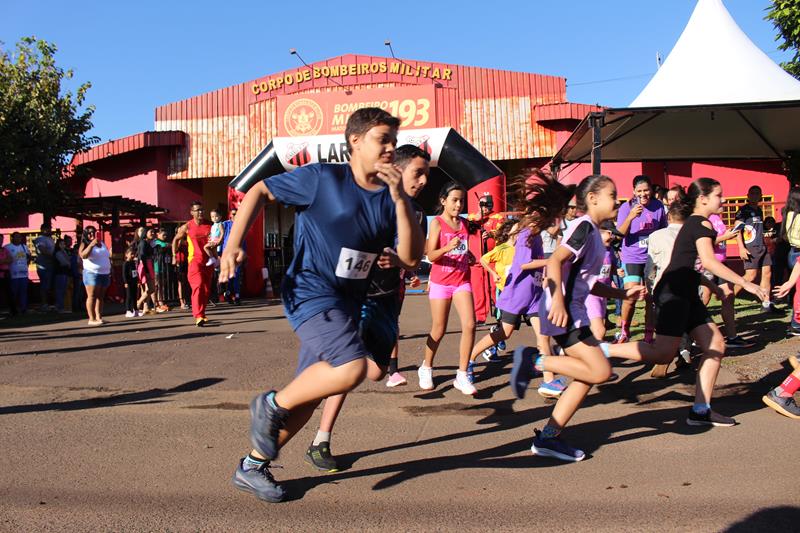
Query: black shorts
pixel 378 327
pixel 678 314
pixel 759 257
pixel 574 336
pixel 515 319
pixel 634 272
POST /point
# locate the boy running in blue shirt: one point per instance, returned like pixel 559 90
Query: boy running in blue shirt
pixel 347 215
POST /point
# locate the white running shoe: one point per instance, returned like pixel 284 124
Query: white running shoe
pixel 130 314
pixel 462 383
pixel 425 374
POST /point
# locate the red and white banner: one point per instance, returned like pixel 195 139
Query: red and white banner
pixel 295 152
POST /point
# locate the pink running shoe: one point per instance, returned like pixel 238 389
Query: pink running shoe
pixel 396 380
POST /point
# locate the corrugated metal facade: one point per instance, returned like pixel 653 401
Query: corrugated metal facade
pixel 495 110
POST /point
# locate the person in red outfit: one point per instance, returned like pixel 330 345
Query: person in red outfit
pixel 196 232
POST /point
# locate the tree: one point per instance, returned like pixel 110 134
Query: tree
pixel 41 126
pixel 785 16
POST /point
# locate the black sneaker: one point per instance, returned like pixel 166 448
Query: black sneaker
pixel 259 482
pixel 793 330
pixel 266 420
pixel 709 418
pixel 784 406
pixel 773 310
pixel 320 457
pixel 738 342
pixel 555 447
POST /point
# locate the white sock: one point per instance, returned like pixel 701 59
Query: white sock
pixel 461 374
pixel 766 304
pixel 423 365
pixel 322 436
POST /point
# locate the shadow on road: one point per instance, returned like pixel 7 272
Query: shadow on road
pixel 784 518
pixel 732 400
pixel 128 398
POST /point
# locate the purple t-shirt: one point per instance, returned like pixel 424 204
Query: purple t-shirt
pixel 523 288
pixel 634 245
pixel 582 239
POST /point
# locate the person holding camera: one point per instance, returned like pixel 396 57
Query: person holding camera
pixel 96 273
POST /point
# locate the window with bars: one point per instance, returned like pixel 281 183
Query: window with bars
pixel 732 204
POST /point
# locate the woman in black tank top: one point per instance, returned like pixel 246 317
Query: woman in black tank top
pixel 678 305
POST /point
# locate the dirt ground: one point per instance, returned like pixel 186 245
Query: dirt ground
pixel 137 426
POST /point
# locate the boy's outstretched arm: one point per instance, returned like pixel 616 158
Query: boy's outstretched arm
pixel 248 211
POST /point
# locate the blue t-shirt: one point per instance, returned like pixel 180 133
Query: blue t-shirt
pixel 340 229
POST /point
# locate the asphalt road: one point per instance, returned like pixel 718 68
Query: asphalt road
pixel 138 425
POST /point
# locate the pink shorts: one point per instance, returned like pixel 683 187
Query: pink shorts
pixel 446 292
pixel 595 307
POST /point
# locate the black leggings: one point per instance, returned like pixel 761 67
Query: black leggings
pixel 130 297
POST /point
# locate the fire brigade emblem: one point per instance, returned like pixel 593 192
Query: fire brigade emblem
pixel 298 154
pixel 303 117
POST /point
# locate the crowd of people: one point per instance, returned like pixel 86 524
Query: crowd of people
pixel 156 270
pixel 570 252
pixel 556 266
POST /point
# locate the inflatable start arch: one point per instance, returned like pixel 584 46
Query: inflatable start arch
pixel 449 152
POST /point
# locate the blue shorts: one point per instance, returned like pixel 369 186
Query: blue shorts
pixel 90 279
pixel 378 327
pixel 331 336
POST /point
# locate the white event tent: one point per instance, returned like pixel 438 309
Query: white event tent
pixel 716 97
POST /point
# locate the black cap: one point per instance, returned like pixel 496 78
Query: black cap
pixel 609 225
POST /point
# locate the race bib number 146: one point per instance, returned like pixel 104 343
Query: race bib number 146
pixel 354 264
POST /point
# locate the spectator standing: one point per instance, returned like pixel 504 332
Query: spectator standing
pixel 62 272
pixel 45 264
pixel 20 257
pixel 790 232
pixel 752 249
pixel 161 261
pixel 180 256
pixel 96 273
pixel 146 272
pixel 5 277
pixel 232 288
pixel 130 278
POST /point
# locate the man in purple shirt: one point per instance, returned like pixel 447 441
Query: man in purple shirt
pixel 637 219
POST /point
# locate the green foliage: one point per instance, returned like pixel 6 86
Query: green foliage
pixel 41 126
pixel 785 16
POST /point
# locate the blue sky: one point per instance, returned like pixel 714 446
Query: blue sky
pixel 142 54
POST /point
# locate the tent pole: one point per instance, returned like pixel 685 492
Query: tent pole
pixel 596 121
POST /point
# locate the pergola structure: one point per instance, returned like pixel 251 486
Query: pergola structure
pixel 114 208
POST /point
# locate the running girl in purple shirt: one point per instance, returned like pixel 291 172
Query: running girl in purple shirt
pixel 572 271
pixel 523 289
pixel 637 219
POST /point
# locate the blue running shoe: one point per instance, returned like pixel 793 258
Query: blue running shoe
pixel 258 481
pixel 490 355
pixel 552 389
pixel 555 447
pixel 522 371
pixel 471 372
pixel 502 344
pixel 266 420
